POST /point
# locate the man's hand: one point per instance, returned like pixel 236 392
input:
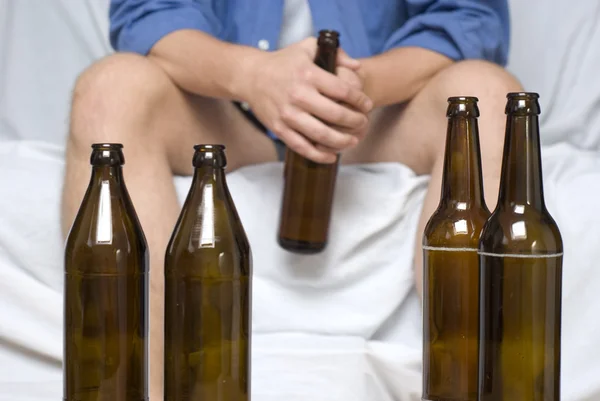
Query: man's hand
pixel 317 114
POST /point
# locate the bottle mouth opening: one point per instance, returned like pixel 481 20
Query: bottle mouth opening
pixel 208 147
pixel 107 146
pixel 463 99
pixel 329 33
pixel 523 103
pixel 522 95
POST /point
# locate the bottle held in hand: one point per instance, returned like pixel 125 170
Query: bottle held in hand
pixel 309 187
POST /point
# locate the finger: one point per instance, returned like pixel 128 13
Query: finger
pixel 359 133
pixel 344 60
pixel 304 147
pixel 335 88
pixel 312 102
pixel 315 130
pixel 326 149
pixel 349 76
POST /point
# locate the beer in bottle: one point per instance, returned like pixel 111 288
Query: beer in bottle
pixel 451 265
pixel 106 290
pixel 309 186
pixel 521 272
pixel 208 291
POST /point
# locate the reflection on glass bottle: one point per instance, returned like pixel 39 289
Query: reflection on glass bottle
pixel 521 272
pixel 208 270
pixel 451 266
pixel 106 290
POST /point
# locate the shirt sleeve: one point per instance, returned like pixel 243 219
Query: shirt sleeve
pixel 458 29
pixel 136 25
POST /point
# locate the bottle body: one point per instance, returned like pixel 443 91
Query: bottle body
pixel 208 292
pixel 451 265
pixel 307 204
pixel 521 273
pixel 106 291
pixel 451 317
pixel 520 312
pixel 308 187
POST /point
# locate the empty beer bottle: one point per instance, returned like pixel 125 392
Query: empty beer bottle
pixel 309 186
pixel 451 266
pixel 106 290
pixel 521 272
pixel 208 291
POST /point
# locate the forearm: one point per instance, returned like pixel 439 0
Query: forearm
pixel 399 74
pixel 201 64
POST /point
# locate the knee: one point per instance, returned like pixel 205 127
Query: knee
pixel 487 81
pixel 121 77
pixel 118 87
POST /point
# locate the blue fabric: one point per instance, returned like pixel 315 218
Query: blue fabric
pixel 459 29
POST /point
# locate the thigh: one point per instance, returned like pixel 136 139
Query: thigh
pixel 414 133
pixel 129 99
pixel 192 120
pixel 401 133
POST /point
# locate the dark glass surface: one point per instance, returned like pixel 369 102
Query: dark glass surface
pixel 521 273
pixel 208 291
pixel 308 186
pixel 451 265
pixel 106 291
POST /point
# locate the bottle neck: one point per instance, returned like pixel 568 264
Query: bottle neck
pixel 107 163
pixel 208 174
pixel 102 174
pixel 209 163
pixel 462 182
pixel 521 181
pixel 326 57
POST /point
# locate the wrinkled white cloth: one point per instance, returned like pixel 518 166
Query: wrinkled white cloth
pixel 345 324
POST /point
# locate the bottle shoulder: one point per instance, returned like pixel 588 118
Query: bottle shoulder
pixel 451 227
pixel 208 241
pixel 521 229
pixel 106 239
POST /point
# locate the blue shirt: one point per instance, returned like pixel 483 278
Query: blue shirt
pixel 459 29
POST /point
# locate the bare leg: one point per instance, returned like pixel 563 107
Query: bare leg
pixel 128 99
pixel 414 134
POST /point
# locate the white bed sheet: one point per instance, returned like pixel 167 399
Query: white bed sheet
pixel 341 325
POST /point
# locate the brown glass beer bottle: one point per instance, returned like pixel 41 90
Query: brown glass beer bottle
pixel 451 265
pixel 106 290
pixel 521 272
pixel 208 291
pixel 308 187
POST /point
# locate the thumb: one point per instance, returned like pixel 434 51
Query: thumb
pixel 309 45
pixel 344 60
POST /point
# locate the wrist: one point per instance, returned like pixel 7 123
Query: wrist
pixel 245 65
